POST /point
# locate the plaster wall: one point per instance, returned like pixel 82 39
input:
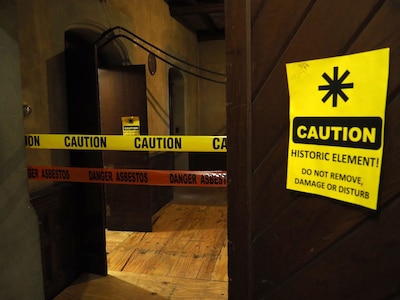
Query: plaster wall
pixel 42 24
pixel 33 72
pixel 151 20
pixel 20 258
pixel 212 95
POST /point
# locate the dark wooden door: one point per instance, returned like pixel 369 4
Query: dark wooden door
pixel 81 65
pixel 122 92
pixel 292 245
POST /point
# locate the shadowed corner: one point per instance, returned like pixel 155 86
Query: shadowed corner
pixel 91 286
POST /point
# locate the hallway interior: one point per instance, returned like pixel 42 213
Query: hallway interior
pixel 184 257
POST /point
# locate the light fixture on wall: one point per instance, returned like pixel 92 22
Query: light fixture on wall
pixel 27 110
pixel 152 63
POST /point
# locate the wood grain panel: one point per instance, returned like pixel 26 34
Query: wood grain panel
pixel 302 246
pixel 326 31
pixel 239 137
pixel 188 241
pixel 312 226
pixel 133 286
pixel 390 174
pixel 363 265
pixel 383 32
pixel 301 234
pixel 271 32
pixel 57 212
pixel 83 118
pixel 289 229
pixel 278 156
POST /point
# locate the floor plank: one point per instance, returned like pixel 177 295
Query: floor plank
pixel 115 238
pixel 126 285
pixel 188 240
pixel 184 257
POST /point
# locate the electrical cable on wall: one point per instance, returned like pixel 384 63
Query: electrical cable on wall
pixel 109 36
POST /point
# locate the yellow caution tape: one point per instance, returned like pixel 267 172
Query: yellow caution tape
pixel 126 143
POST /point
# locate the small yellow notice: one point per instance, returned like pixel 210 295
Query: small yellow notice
pixel 337 114
pixel 130 125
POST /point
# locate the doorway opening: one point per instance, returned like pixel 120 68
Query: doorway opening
pixel 188 241
pixel 176 102
pixel 176 95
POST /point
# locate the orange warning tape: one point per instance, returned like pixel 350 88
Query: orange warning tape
pixel 129 176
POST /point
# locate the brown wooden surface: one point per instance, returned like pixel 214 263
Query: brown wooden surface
pixel 302 246
pixel 363 264
pixel 122 92
pixel 185 257
pixel 132 286
pixel 238 95
pixel 188 239
pixel 59 236
pixel 317 36
pixel 82 93
pixel 131 207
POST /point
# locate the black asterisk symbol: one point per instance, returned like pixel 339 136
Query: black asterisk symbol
pixel 335 86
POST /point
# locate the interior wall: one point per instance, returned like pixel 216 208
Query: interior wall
pixel 20 262
pixel 41 83
pixel 212 95
pixel 42 25
pixel 151 20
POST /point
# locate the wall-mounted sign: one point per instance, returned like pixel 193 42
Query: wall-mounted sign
pixel 337 114
pixel 130 125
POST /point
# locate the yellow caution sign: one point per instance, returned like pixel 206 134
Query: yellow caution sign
pixel 130 125
pixel 126 143
pixel 337 113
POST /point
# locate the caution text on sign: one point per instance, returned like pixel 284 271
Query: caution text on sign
pixel 337 117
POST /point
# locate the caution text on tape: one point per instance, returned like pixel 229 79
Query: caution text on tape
pixel 181 143
pixel 129 176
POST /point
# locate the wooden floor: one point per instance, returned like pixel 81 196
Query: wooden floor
pixel 185 257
